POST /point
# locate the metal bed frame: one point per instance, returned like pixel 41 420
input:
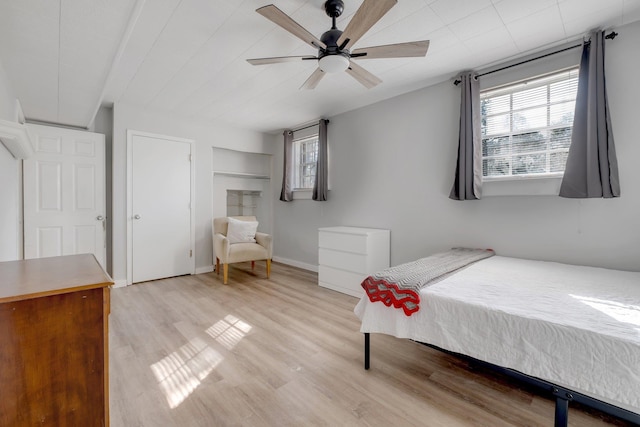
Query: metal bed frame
pixel 562 395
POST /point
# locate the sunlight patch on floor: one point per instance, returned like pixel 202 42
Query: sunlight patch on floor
pixel 181 372
pixel 229 331
pixel 627 313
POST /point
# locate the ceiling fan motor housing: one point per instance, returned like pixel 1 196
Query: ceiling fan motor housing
pixel 333 8
pixel 330 39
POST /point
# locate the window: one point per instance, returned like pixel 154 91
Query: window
pixel 305 154
pixel 526 126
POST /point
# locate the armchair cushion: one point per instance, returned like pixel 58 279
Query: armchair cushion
pixel 241 252
pixel 241 231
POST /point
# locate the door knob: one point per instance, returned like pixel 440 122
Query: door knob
pixel 99 217
pixel 136 216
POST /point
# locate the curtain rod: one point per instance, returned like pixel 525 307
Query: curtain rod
pixel 306 127
pixel 612 35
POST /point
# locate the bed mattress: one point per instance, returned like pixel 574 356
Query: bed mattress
pixel 575 326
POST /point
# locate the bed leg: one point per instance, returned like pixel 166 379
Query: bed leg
pixel 367 354
pixel 562 408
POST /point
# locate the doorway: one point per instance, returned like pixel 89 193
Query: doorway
pixel 160 211
pixel 64 194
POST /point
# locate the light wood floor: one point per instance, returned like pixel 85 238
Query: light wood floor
pixel 190 351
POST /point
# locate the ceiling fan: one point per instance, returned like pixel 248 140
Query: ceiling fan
pixel 334 46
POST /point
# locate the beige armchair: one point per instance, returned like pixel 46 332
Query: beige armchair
pixel 228 253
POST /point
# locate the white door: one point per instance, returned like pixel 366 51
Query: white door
pixel 160 207
pixel 64 194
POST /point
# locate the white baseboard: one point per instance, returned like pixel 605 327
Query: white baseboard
pixel 205 269
pixel 209 268
pixel 120 283
pixel 295 263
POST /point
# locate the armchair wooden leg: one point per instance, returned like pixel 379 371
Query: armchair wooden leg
pixel 218 265
pixel 225 273
pixel 253 265
pixel 268 268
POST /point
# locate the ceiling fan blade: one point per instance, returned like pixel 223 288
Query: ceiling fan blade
pixel 313 79
pixel 367 79
pixel 278 59
pixel 399 50
pixel 280 18
pixel 368 14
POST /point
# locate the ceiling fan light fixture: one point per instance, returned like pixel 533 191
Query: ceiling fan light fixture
pixel 333 63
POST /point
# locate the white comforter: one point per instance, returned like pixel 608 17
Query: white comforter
pixel 577 327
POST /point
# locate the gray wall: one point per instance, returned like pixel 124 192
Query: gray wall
pixel 9 180
pixel 392 165
pixel 7 98
pixel 103 124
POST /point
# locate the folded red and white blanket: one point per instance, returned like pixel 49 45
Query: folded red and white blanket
pixel 400 285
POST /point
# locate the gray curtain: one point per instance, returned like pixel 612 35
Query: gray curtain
pixel 286 195
pixel 468 180
pixel 592 166
pixel 320 186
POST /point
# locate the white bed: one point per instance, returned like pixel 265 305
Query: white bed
pixel 577 327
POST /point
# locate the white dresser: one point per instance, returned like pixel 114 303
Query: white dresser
pixel 347 255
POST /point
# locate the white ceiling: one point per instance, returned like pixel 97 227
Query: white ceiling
pixel 65 58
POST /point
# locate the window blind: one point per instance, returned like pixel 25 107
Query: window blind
pixel 306 158
pixel 526 126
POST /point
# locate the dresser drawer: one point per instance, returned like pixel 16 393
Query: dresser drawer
pixel 341 278
pixel 356 263
pixel 343 242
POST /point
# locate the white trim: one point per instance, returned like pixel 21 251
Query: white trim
pixel 294 263
pixel 205 269
pixel 122 283
pixel 551 175
pixel 541 186
pixel 302 194
pixel 17 138
pixel 130 134
pixel 20 212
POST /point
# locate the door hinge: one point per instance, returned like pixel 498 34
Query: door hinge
pixel 189 157
pixel 190 253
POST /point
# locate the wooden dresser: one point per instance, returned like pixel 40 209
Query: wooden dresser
pixel 54 342
pixel 347 255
